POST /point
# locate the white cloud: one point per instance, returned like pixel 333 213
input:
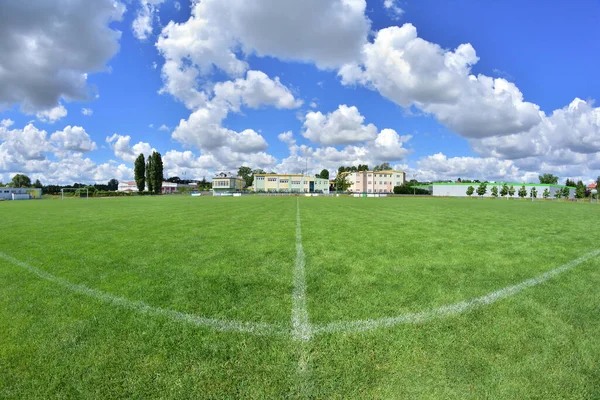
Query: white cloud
pixel 343 126
pixel 87 111
pixel 255 90
pixel 217 31
pixel 123 150
pixel 570 136
pixel 72 139
pixel 414 72
pixel 203 129
pixel 393 8
pixel 164 128
pixel 52 115
pixel 142 25
pixel 313 105
pixel 43 60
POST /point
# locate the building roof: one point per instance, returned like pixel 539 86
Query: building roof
pixel 592 185
pixel 226 175
pixel 488 183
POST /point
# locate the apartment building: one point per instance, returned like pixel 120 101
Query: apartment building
pixel 375 181
pixel 226 182
pixel 290 183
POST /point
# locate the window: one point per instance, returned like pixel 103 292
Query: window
pixel 369 182
pixel 272 179
pixel 369 175
pixel 260 178
pixel 357 182
pixel 295 182
pixel 369 190
pixel 284 181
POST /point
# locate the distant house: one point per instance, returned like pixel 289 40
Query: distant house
pixel 167 187
pixel 227 182
pixel 592 185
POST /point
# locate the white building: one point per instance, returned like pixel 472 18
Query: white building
pixel 8 193
pixel 375 181
pixel 167 187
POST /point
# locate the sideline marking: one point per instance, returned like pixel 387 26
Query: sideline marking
pixel 301 329
pixel 451 309
pixel 257 328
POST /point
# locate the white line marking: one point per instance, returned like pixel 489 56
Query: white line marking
pixel 257 328
pixel 449 310
pixel 301 329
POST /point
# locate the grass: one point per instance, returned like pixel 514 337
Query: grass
pixel 233 259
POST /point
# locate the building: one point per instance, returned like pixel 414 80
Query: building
pixel 289 183
pixel 592 186
pixel 456 189
pixel 167 187
pixel 375 181
pixel 226 182
pixel 8 193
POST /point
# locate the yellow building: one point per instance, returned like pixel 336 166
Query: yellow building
pixel 225 182
pixel 290 183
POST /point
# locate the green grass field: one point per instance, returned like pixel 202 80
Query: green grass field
pixel 285 297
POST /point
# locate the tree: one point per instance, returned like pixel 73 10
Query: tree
pixel 570 183
pixel 546 193
pixel 549 179
pixel 598 183
pixel 470 191
pixel 20 180
pixel 139 172
pixel 38 184
pixel 341 182
pixel 324 174
pixel 558 193
pixel 365 167
pixel 150 175
pixel 511 191
pixel 504 190
pixel 113 184
pixel 383 167
pixel 482 189
pixel 566 192
pixel 246 174
pixel 157 172
pixel 494 191
pixel 580 190
pixel 522 192
pixel 533 193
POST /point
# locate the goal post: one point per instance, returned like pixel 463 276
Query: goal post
pixel 62 192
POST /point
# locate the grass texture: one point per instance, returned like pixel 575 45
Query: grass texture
pixel 232 261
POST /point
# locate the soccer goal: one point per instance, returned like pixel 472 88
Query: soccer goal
pixel 62 192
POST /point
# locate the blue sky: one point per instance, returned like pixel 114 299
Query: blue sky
pixel 440 89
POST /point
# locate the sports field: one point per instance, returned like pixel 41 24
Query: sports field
pixel 274 297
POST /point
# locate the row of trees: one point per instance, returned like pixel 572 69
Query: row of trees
pixel 149 173
pixel 510 191
pixel 24 181
pixel 364 167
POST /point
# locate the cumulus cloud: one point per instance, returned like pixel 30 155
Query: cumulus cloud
pixel 569 136
pixel 74 139
pixel 204 130
pixel 28 150
pixel 120 144
pixel 164 128
pixel 343 126
pixel 52 115
pixel 87 112
pixel 42 60
pixel 414 72
pixel 217 31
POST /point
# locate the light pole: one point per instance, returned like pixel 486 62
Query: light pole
pixel 414 188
